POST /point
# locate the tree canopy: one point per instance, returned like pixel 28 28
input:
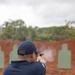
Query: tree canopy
pixel 17 30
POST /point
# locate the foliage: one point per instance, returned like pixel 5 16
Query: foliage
pixel 17 30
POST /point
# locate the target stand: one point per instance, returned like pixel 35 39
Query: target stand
pixel 64 59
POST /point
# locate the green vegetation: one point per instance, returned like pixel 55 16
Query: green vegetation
pixel 17 30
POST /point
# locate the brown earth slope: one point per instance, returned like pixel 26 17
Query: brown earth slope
pixel 52 67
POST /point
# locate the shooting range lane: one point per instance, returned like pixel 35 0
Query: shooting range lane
pixel 9 47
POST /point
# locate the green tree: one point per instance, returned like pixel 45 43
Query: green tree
pixel 32 34
pixel 15 30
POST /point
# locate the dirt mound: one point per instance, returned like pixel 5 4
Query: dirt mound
pixel 52 66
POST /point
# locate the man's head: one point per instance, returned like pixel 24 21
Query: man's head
pixel 27 49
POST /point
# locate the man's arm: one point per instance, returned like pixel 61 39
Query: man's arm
pixel 41 69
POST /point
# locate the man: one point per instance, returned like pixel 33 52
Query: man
pixel 26 64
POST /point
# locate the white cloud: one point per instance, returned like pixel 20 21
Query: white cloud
pixel 18 12
pixel 41 13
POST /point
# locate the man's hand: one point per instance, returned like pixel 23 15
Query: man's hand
pixel 41 59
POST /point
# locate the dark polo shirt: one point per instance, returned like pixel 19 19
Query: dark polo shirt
pixel 25 68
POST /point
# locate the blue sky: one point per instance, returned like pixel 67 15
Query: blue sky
pixel 41 13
